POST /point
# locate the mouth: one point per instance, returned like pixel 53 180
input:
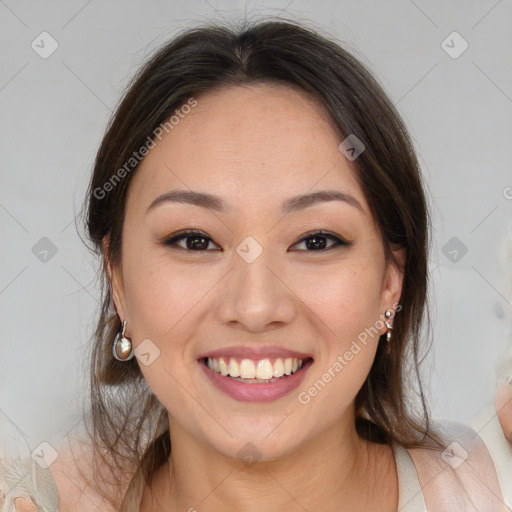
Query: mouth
pixel 255 380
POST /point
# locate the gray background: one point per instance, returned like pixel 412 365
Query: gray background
pixel 54 112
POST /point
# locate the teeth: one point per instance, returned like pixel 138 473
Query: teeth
pixel 249 369
pixel 233 368
pixel 223 367
pixel 264 369
pixel 288 363
pixel 278 368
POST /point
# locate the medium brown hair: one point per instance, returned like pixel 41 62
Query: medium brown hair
pixel 129 426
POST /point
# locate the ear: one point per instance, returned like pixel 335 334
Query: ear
pixel 115 278
pixel 393 281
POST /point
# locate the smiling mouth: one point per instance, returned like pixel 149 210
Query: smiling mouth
pixel 261 371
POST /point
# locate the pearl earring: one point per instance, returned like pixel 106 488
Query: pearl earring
pixel 122 347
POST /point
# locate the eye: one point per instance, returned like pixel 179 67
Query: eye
pixel 198 241
pixel 317 240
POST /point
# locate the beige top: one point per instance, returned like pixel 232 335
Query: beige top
pixel 410 495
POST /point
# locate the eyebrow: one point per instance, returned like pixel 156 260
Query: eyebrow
pixel 216 203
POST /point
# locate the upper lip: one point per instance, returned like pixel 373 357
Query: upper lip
pixel 260 352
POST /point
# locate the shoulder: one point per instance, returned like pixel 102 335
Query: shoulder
pixel 461 475
pixel 59 476
pixel 23 476
pixel 75 476
pixel 500 449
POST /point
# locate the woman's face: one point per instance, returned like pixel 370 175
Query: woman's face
pixel 248 281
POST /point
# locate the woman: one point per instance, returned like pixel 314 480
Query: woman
pixel 261 218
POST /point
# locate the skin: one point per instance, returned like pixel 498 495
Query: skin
pixel 256 146
pixel 503 404
pixel 24 505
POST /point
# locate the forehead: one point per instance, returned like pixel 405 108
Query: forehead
pixel 253 145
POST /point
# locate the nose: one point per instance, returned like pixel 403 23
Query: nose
pixel 258 294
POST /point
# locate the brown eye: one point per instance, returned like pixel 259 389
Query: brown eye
pixel 317 241
pixel 195 240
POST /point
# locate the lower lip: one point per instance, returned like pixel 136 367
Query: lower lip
pixel 245 392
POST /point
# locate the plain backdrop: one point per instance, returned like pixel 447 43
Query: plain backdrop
pixel 54 110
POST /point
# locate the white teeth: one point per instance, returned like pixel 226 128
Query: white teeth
pixel 249 369
pixel 264 369
pixel 233 368
pixel 278 368
pixel 223 367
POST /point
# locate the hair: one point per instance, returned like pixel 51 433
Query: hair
pixel 129 425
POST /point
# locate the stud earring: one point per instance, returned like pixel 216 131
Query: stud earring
pixel 122 347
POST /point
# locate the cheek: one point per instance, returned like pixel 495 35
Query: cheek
pixel 346 297
pixel 160 298
pixel 345 310
pixel 155 297
pixel 159 294
pixel 144 286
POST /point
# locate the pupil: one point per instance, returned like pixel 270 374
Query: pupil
pixel 191 242
pixel 320 244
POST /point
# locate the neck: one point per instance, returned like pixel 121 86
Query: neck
pixel 335 470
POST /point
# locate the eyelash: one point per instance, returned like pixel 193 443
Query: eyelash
pixel 189 233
